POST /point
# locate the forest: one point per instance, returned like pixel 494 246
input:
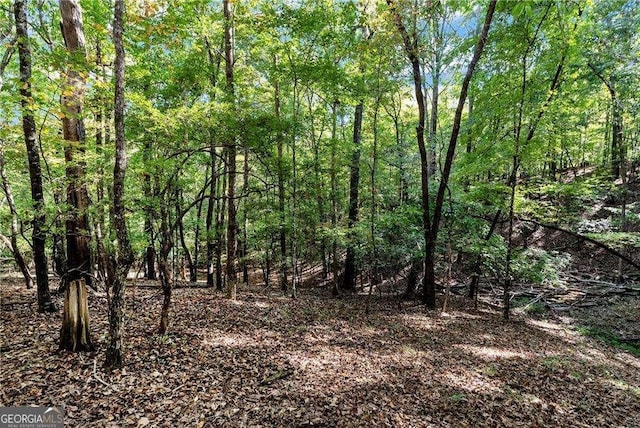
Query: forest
pixel 321 212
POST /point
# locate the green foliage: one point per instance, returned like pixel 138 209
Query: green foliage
pixel 331 56
pixel 398 240
pixel 618 240
pixel 606 335
pixel 539 266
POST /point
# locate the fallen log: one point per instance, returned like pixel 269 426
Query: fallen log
pixel 584 238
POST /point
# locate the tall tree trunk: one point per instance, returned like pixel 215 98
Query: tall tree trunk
pixel 411 49
pixel 231 149
pixel 13 241
pixel 374 190
pixel 183 243
pixel 281 195
pixel 435 93
pixel 33 154
pixel 77 224
pixel 617 141
pixel 349 280
pixel 124 259
pixel 209 224
pixel 166 277
pixel 455 132
pixel 196 243
pixel 294 196
pixel 245 216
pixel 403 185
pixel 102 257
pixel 150 252
pixel 432 225
pixel 334 198
pixel 221 205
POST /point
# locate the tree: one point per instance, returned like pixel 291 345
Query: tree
pixel 231 149
pixel 33 153
pixel 432 223
pixel 610 52
pixel 75 333
pixel 124 259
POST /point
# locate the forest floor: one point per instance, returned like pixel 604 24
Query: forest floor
pixel 267 360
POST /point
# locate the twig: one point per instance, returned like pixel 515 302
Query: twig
pixel 280 374
pixel 95 374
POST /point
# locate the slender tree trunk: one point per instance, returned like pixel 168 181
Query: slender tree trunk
pixel 281 194
pixel 349 280
pixel 150 252
pixel 124 258
pixel 294 197
pixel 432 227
pixel 435 95
pixel 231 149
pixel 617 141
pixel 374 191
pixel 183 241
pixel 33 154
pixel 245 222
pixel 403 185
pixel 219 238
pixel 209 224
pixel 475 278
pixel 77 224
pixel 104 268
pixel 59 244
pixel 196 243
pixel 15 232
pixel 334 199
pixel 166 277
pixel 411 49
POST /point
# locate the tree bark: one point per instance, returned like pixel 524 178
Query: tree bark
pixel 282 232
pixel 617 141
pixel 231 149
pixel 150 252
pixel 75 333
pixel 221 205
pixel 183 243
pixel 166 277
pixel 209 224
pixel 245 222
pixel 349 279
pixel 77 224
pixel 411 49
pixel 124 259
pixel 33 154
pixel 99 227
pixel 334 199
